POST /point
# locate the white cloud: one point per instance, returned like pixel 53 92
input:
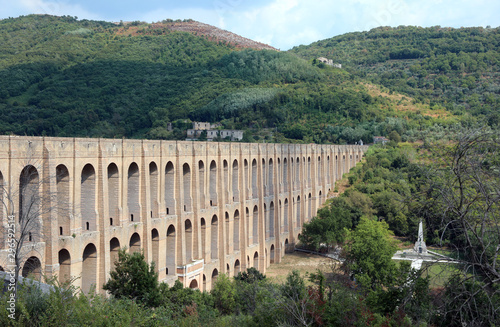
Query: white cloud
pixel 58 8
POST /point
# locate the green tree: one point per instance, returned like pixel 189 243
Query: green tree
pixel 134 278
pixel 369 252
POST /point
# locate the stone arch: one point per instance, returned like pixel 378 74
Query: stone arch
pixel 201 183
pixel 226 241
pixel 235 184
pixel 236 230
pixel 186 186
pixel 270 182
pixel 297 173
pixel 225 168
pixel 255 225
pixel 285 216
pixel 63 192
pixel 319 170
pixel 272 254
pixel 64 266
pixel 213 184
pixel 298 213
pixel 237 267
pixel 246 177
pixel 255 191
pixel 328 167
pixel 193 284
pixel 228 270
pixel 171 251
pixel 29 197
pixel 215 274
pixel 264 177
pixel 155 247
pixel 203 225
pixel 308 171
pixel 214 238
pixel 89 268
pixel 135 243
pixel 204 282
pixel 113 194
pixel 133 192
pixel 88 198
pixel 285 174
pixel 320 196
pixel 153 189
pixel 188 232
pixel 170 188
pixel 256 260
pixel 32 268
pixel 114 248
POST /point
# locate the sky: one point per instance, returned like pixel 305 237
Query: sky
pixel 282 24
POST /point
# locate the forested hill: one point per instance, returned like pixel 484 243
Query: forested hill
pixel 455 68
pixel 60 76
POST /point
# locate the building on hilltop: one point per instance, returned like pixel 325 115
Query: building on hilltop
pixel 212 132
pixel 329 62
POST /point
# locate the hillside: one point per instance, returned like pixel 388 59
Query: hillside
pixel 453 68
pixel 197 28
pixel 60 76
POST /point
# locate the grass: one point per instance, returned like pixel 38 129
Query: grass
pixel 438 273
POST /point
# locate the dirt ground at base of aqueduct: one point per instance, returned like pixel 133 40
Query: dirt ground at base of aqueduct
pixel 303 262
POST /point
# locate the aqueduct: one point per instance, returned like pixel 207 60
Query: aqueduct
pixel 197 209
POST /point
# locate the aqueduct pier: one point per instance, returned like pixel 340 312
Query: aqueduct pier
pixel 197 209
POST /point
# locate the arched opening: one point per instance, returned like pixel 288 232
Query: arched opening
pixel 213 184
pixel 113 194
pixel 246 177
pixel 285 174
pixel 309 171
pixel 89 268
pixel 256 260
pixel 227 269
pixel 204 282
pixel 201 183
pixel 155 246
pixel 193 284
pixel 114 247
pixel 88 198
pixel 270 182
pixel 237 267
pixel 186 185
pixel 264 177
pixel 203 226
pixel 255 225
pixel 133 192
pixel 170 188
pixel 298 213
pixel 236 192
pixel 271 258
pixel 236 231
pixel 285 216
pixel 64 266
pixel 189 240
pixel 29 200
pixel 225 184
pixel 135 243
pixel 215 274
pixel 319 171
pixel 227 233
pixel 214 240
pixel 297 174
pixel 32 268
pixel 153 189
pixel 171 251
pixel 255 191
pixel 62 185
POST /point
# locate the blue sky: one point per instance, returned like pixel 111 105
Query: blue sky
pixel 280 23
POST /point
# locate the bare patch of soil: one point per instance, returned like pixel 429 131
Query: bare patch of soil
pixel 302 262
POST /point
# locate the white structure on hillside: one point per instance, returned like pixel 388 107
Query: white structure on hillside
pixel 420 246
pixel 213 132
pixel 329 62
